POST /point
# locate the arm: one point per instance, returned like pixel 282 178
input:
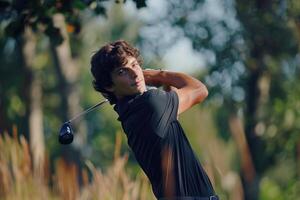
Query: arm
pixel 190 91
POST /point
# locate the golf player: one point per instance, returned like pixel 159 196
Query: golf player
pixel 149 118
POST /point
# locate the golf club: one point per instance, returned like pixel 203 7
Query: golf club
pixel 66 132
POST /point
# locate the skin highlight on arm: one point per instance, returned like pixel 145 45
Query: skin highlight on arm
pixel 190 91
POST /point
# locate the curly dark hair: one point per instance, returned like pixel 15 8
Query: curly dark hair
pixel 105 60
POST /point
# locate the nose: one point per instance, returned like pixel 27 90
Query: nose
pixel 133 73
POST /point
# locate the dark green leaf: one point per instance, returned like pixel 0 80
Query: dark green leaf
pixel 79 4
pixel 100 10
pixel 140 3
pixel 15 28
pixel 54 35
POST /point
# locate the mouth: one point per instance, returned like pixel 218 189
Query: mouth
pixel 137 83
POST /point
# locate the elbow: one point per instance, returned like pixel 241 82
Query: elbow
pixel 202 93
pixel 205 92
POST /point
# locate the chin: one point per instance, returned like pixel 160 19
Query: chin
pixel 139 92
pixel 141 89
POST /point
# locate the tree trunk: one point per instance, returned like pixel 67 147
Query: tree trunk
pixel 248 171
pixel 35 112
pixel 68 72
pixel 257 98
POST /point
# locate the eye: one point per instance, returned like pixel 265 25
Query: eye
pixel 135 65
pixel 121 72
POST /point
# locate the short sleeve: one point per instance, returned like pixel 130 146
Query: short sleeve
pixel 163 107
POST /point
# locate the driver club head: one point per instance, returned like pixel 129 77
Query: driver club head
pixel 66 134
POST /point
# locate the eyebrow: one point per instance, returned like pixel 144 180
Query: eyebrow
pixel 132 62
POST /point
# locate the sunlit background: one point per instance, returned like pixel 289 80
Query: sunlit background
pixel 246 134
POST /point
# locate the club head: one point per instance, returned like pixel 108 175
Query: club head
pixel 65 134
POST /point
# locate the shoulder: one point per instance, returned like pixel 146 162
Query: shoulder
pixel 155 97
pixel 157 93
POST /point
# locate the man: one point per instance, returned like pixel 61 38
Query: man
pixel 149 119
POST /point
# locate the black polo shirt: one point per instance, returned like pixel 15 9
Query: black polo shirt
pixel 160 145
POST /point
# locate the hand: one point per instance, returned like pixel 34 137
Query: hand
pixel 151 77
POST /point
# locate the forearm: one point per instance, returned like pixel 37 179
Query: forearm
pixel 171 79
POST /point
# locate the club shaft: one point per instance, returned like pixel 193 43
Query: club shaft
pixel 87 110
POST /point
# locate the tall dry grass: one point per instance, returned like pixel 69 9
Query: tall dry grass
pixel 19 181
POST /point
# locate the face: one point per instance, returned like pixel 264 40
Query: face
pixel 128 80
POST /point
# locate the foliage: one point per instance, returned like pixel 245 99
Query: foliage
pixel 37 14
pixel 252 54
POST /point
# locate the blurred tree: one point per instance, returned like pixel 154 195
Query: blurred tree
pixel 21 21
pixel 28 42
pixel 272 53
